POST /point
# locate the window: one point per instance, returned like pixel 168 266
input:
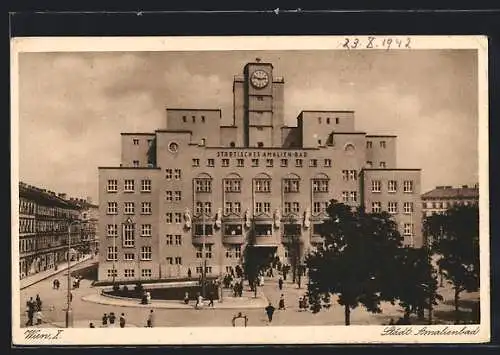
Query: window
pixel 317 207
pixel 284 163
pixel 237 207
pixel 177 174
pixel 196 162
pixel 408 229
pixel 260 144
pixel 445 204
pixel 382 144
pixel 170 260
pixel 260 98
pixel 369 164
pixel 408 207
pixel 169 239
pixel 228 207
pixel 291 185
pixel 177 196
pixel 240 163
pixel 345 175
pixel 136 163
pixel 146 185
pixel 263 229
pixel 233 229
pixel 146 253
pixel 112 273
pixel 320 185
pixel 168 174
pixel 337 120
pixel 319 120
pixel 199 207
pixel 146 273
pixel 112 230
pixel 225 163
pixel 129 272
pixel 353 196
pixel 295 207
pixel 258 207
pixel 392 186
pixel 368 144
pixel 203 119
pixel 255 163
pixel 112 208
pixel 382 164
pixel 353 175
pixel 313 163
pixel 211 162
pixel 232 185
pixel 178 260
pixel 112 185
pixel 298 163
pixel 208 207
pixel 328 163
pixel 129 208
pixel 129 186
pixel 178 239
pixel 345 196
pixel 232 144
pixel 184 118
pixel 178 217
pixel 169 217
pixel 208 251
pixel 288 207
pixel 112 253
pixel 146 208
pixel 202 142
pixel 376 207
pixel 328 120
pixel 135 141
pixel 128 256
pixel 146 230
pixel 262 185
pixel 203 185
pixel 194 119
pixel 392 207
pixel 168 196
pixel 408 186
pixel 129 236
pixel 376 186
pixel 269 163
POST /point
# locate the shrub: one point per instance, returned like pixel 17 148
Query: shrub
pixel 116 287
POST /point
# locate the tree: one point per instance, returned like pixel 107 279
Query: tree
pixel 455 238
pixel 415 285
pixel 356 262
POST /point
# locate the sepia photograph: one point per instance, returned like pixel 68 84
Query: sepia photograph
pixel 250 190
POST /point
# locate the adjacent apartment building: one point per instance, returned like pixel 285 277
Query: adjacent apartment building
pixel 199 190
pixel 44 218
pixel 441 198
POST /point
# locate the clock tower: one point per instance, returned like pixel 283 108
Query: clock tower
pixel 261 111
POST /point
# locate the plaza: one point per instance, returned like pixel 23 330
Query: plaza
pixel 89 306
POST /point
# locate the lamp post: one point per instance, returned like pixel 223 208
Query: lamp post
pixel 69 313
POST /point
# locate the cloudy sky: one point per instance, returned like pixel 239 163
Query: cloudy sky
pixel 73 106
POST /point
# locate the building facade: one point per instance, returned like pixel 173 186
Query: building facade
pixel 198 190
pixel 44 218
pixel 441 198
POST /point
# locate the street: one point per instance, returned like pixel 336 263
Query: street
pixel 84 312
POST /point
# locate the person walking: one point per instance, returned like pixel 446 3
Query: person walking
pixel 38 302
pixel 270 311
pixel 105 320
pixel 150 321
pixel 186 298
pixel 280 283
pixel 300 304
pixel 189 273
pixel 122 321
pixel 112 319
pixel 211 299
pixel 30 309
pixel 38 317
pixel 281 304
pixel 199 301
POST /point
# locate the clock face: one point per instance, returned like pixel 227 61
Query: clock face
pixel 259 79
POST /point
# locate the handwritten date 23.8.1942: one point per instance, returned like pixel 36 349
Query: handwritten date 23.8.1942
pixel 376 43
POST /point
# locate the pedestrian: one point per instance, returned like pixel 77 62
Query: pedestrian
pixel 38 317
pixel 281 305
pixel 71 296
pixel 38 302
pixel 199 301
pixel 112 319
pixel 232 272
pixel 300 304
pixel 91 325
pixel 122 321
pixel 30 309
pixel 58 284
pixel 148 297
pixel 189 273
pixel 270 311
pixel 54 283
pixel 280 283
pixel 105 320
pixel 150 319
pixel 186 298
pixel 211 299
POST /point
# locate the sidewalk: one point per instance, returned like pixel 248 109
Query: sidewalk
pixel 40 276
pixel 247 301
